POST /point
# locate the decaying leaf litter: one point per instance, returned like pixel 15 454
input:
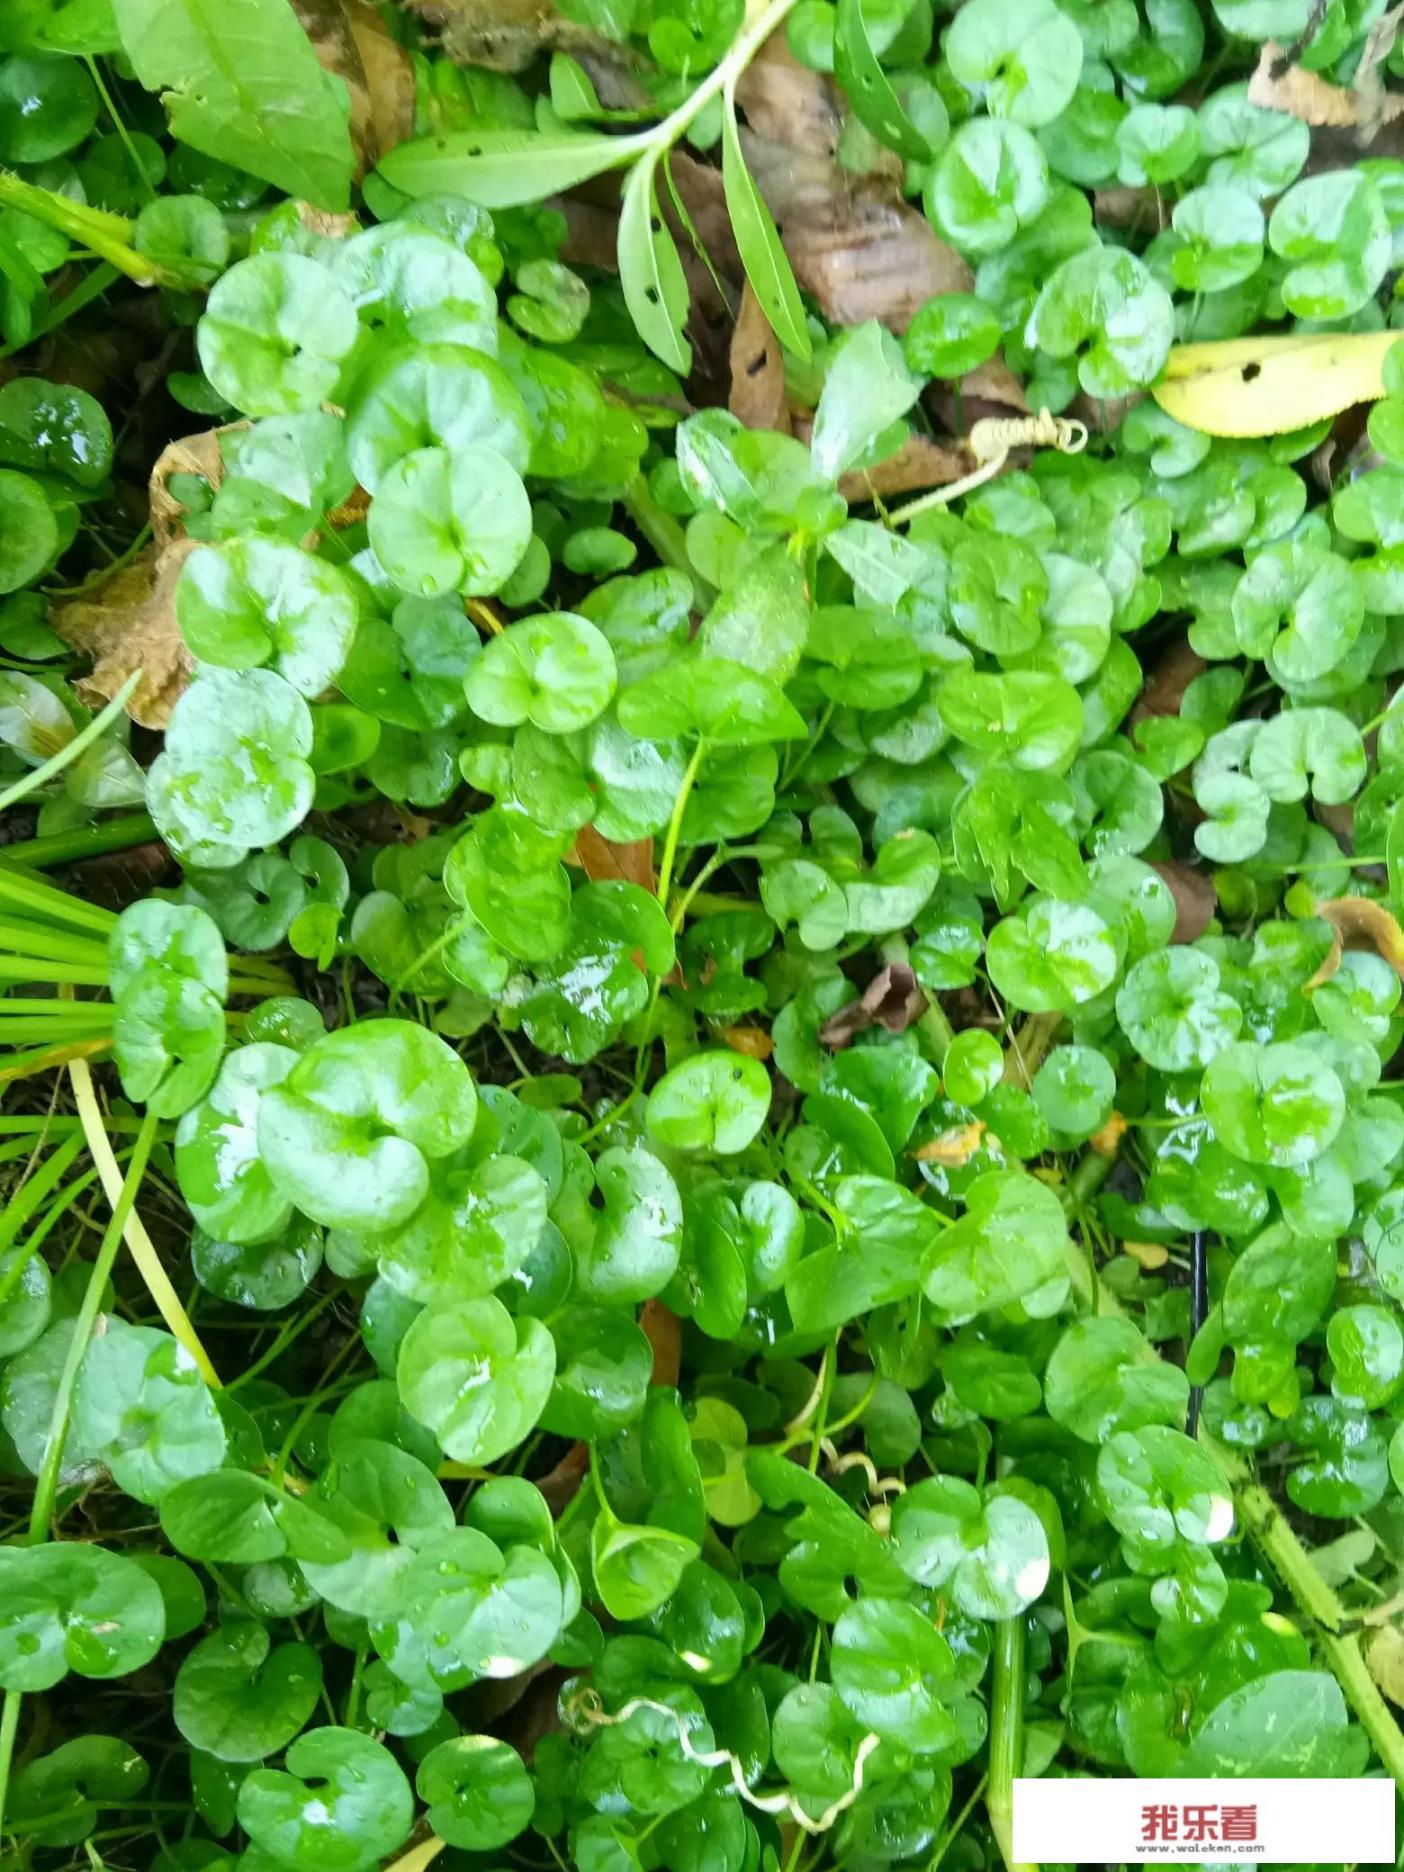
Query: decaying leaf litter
pixel 700 922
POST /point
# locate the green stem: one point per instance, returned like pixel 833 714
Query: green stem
pixel 1006 1734
pixel 952 1832
pixel 33 1032
pixel 9 1729
pixel 1027 1048
pixel 260 986
pixel 664 535
pixel 33 968
pixel 1091 1172
pixel 700 903
pixel 670 840
pixel 1089 1176
pixel 46 1488
pixel 106 235
pixel 119 125
pixel 1273 1536
pixel 61 848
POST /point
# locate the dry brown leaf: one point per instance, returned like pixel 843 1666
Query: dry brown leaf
pixel 326 25
pixel 128 623
pixel 1195 898
pixel 852 240
pixel 1103 415
pixel 603 861
pixel 117 879
pixel 592 231
pixel 1339 821
pixel 703 195
pixel 1132 208
pixel 853 243
pixel 1359 923
pixel 1307 96
pixel 757 370
pixel 919 463
pixel 1344 120
pixel 663 1331
pixel 351 43
pixel 787 103
pixel 892 1000
pixel 197 455
pixel 561 1484
pixel 389 75
pixel 991 389
pixel 493 1700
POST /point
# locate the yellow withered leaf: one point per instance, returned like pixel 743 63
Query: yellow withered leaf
pixel 1270 386
pixel 1363 924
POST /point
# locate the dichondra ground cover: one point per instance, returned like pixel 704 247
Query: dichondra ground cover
pixel 700 923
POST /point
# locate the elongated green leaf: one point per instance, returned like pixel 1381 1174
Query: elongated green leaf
pixel 766 263
pixel 242 83
pixel 650 271
pixel 503 168
pixel 875 103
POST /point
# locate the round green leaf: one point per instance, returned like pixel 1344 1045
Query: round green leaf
pixel 346 1135
pixel 239 1697
pixel 478 1792
pixel 556 671
pixel 255 601
pixel 715 1101
pixel 275 332
pixel 478 1378
pixel 450 520
pixel 341 1803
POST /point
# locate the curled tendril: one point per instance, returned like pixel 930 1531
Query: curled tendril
pixel 990 441
pixel 857 1459
pixel 993 437
pixel 585 1710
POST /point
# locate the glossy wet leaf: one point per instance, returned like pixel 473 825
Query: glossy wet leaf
pixel 478 1792
pixel 241 1698
pixel 341 1800
pixel 74 1607
pixel 476 1377
pixel 348 1135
